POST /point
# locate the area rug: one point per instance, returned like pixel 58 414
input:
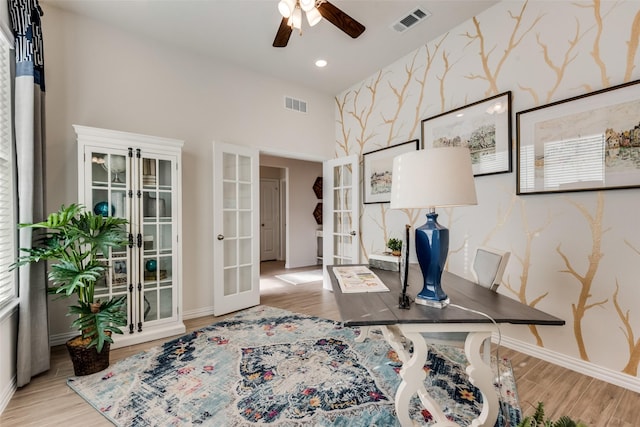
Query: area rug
pixel 266 366
pixel 301 277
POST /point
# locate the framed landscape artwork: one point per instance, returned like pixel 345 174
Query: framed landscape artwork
pixel 484 127
pixel 378 167
pixel 589 142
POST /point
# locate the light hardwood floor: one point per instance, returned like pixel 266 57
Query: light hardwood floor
pixel 47 401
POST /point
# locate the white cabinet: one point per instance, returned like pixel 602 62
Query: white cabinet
pixel 138 177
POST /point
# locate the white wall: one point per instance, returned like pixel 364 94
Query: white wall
pixel 100 76
pixel 301 201
pixel 564 245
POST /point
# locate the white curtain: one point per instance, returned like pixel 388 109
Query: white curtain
pixel 33 330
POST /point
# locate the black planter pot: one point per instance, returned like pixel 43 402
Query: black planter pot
pixel 87 361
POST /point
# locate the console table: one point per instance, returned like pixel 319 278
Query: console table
pixel 380 309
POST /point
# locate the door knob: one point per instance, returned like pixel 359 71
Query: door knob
pixel 353 233
pixel 220 237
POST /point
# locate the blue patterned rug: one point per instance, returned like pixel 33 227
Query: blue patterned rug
pixel 266 366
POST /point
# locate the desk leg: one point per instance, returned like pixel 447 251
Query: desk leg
pixel 413 376
pixel 364 334
pixel 481 375
pixel 395 339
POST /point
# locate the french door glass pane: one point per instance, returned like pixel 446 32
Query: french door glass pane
pixel 244 224
pixel 229 226
pixel 244 169
pixel 230 253
pixel 230 281
pixel 244 252
pixel 245 278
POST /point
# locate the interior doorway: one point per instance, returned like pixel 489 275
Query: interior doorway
pixel 273 209
pixel 269 219
pixel 287 211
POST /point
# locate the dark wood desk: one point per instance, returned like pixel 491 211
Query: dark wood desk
pixel 380 309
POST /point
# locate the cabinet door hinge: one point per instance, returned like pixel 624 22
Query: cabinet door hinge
pixel 130 152
pixel 138 154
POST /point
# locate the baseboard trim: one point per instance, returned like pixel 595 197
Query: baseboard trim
pixel 199 312
pixel 61 339
pixel 7 394
pixel 160 331
pixel 586 368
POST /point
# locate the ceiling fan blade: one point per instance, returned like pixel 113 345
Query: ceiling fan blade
pixel 283 34
pixel 340 19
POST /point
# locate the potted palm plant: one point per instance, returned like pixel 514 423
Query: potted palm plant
pixel 73 240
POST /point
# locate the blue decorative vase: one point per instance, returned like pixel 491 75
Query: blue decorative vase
pixel 151 265
pixel 102 208
pixel 432 248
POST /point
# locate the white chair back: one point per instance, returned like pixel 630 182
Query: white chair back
pixel 489 265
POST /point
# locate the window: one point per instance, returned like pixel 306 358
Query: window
pixel 7 169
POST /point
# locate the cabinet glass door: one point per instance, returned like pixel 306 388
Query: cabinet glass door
pixel 109 184
pixel 157 261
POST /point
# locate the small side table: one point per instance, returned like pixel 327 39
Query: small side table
pixel 384 261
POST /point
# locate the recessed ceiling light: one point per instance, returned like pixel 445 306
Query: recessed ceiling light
pixel 321 63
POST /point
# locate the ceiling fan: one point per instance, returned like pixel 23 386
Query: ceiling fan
pixel 315 10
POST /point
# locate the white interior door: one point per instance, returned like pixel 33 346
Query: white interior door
pixel 236 257
pixel 340 213
pixel 269 219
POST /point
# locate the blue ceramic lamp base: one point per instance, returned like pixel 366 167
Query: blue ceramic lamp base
pixel 432 248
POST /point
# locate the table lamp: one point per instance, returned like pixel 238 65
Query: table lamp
pixel 431 178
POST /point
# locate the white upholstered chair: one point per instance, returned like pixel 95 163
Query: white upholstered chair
pixel 487 268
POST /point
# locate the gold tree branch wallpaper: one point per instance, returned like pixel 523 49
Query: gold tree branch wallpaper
pixel 574 255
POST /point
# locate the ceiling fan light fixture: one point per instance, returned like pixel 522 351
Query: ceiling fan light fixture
pixel 296 18
pixel 307 5
pixel 285 7
pixel 313 17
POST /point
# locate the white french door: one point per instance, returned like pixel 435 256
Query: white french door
pixel 340 213
pixel 236 234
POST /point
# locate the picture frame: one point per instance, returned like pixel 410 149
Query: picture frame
pixel 483 126
pixel 585 143
pixel 120 267
pixel 377 171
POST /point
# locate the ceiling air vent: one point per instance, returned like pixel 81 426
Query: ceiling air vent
pixel 411 19
pixel 295 104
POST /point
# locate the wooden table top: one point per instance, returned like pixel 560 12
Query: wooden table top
pixel 381 308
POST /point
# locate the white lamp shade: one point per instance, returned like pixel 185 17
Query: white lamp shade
pixel 286 7
pixel 435 177
pixel 313 17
